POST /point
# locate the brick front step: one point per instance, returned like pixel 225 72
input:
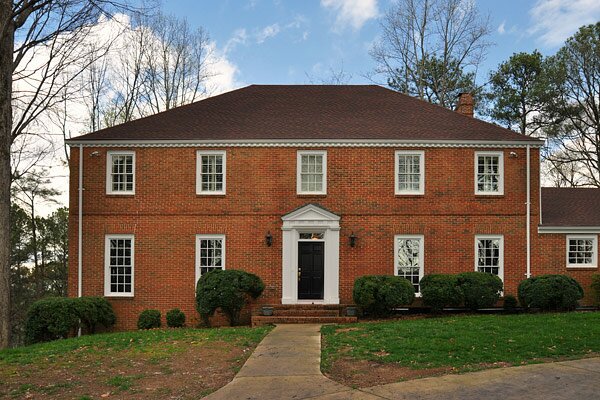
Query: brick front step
pixel 305 313
pixel 258 320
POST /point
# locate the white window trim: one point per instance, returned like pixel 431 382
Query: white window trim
pixel 199 155
pixel 107 239
pixel 500 156
pixel 594 263
pixel 500 255
pixel 299 155
pixel 421 155
pixel 109 187
pixel 421 254
pixel 223 252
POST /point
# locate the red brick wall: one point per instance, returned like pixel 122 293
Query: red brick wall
pixel 165 214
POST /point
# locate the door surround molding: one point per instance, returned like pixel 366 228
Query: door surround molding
pixel 310 218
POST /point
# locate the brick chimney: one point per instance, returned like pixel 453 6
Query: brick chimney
pixel 465 104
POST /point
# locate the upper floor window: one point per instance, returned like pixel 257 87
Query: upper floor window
pixel 210 253
pixel 118 261
pixel 211 172
pixel 410 172
pixel 582 251
pixel 120 172
pixel 489 173
pixel 409 258
pixel 489 254
pixel 312 172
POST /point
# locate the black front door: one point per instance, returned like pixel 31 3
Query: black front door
pixel 311 262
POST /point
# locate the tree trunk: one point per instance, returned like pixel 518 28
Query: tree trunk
pixel 6 70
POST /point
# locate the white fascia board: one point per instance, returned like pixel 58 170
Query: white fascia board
pixel 568 229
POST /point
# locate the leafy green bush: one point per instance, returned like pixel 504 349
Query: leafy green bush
pixel 228 290
pixel 596 289
pixel 550 292
pixel 149 319
pixel 439 291
pixel 510 303
pixel 479 289
pixel 58 317
pixel 175 318
pixel 94 312
pixel 50 319
pixel 380 294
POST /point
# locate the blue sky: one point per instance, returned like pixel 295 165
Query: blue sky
pixel 279 41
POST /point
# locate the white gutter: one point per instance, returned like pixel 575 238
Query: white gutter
pixel 528 224
pixel 569 229
pixel 79 229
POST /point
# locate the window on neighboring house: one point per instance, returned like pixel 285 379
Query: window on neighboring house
pixel 489 173
pixel 410 172
pixel 582 251
pixel 210 254
pixel 489 254
pixel 409 258
pixel 119 264
pixel 211 172
pixel 120 172
pixel 312 172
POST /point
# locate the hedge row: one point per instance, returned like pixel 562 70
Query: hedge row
pixel 58 317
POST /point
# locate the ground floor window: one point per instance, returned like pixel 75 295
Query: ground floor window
pixel 489 254
pixel 118 265
pixel 582 251
pixel 409 258
pixel 210 253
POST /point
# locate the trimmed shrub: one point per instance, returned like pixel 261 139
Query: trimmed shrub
pixel 439 291
pixel 596 289
pixel 50 319
pixel 228 290
pixel 510 303
pixel 379 294
pixel 550 293
pixel 149 319
pixel 175 318
pixel 479 289
pixel 94 312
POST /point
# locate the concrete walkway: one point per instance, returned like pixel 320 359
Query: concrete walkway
pixel 286 365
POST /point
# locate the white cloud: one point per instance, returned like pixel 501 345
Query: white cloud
pixel 351 13
pixel 239 37
pixel 224 72
pixel 267 32
pixel 553 21
pixel 501 28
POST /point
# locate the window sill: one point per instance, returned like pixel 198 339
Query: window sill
pixel 120 195
pixel 119 297
pixel 210 194
pixel 582 267
pixel 311 194
pixel 409 195
pixel 491 195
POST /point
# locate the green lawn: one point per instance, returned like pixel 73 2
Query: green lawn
pixel 464 342
pixel 161 363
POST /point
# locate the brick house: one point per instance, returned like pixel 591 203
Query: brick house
pixel 310 187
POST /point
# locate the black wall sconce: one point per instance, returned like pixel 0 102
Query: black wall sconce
pixel 353 239
pixel 269 239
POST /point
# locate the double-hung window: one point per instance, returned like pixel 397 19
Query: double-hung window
pixel 211 172
pixel 408 260
pixel 119 262
pixel 120 172
pixel 210 254
pixel 489 254
pixel 582 251
pixel 489 173
pixel 410 172
pixel 312 172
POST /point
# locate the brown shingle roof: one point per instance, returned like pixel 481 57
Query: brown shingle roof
pixel 570 206
pixel 311 112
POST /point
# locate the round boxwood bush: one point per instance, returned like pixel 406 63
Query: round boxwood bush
pixel 228 290
pixel 50 319
pixel 149 319
pixel 510 303
pixel 479 289
pixel 94 312
pixel 596 289
pixel 439 291
pixel 379 294
pixel 550 293
pixel 175 318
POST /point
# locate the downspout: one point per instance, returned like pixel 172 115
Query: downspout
pixel 80 230
pixel 528 224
